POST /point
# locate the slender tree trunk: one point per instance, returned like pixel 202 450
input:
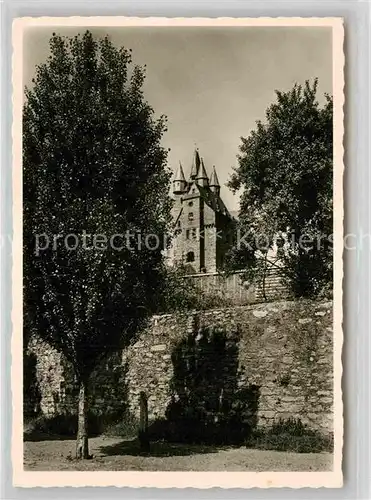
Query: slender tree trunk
pixel 82 447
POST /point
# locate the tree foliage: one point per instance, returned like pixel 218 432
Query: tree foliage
pixel 180 293
pixel 92 164
pixel 285 172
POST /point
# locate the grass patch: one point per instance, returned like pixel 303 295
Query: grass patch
pixel 290 435
pixel 126 427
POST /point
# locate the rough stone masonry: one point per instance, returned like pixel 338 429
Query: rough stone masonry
pixel 285 349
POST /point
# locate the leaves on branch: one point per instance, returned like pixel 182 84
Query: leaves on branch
pixel 92 164
pixel 285 172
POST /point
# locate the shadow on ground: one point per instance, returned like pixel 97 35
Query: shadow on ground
pixel 157 449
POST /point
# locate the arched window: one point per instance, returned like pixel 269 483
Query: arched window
pixel 190 216
pixel 190 257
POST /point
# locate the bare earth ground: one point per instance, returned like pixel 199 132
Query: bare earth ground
pixel 114 454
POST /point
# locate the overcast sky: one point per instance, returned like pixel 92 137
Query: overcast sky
pixel 212 83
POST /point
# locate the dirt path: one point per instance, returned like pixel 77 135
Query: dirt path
pixel 117 454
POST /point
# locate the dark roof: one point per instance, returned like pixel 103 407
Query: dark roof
pixel 213 201
pixel 201 174
pixel 195 165
pixel 179 175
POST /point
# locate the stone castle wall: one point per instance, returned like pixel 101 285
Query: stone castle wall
pixel 58 390
pixel 284 351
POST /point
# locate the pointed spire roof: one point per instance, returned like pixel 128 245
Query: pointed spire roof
pixel 214 181
pixel 202 171
pixel 179 176
pixel 195 164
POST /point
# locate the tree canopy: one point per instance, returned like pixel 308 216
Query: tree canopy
pixel 95 196
pixel 285 174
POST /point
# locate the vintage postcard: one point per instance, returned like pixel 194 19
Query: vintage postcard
pixel 178 239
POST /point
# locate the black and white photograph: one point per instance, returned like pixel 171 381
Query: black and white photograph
pixel 178 272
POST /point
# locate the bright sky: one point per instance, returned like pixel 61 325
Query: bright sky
pixel 212 83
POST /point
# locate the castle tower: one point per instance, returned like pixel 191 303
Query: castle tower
pixel 179 182
pixel 202 223
pixel 202 178
pixel 214 182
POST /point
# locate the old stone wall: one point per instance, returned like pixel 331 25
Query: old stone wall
pixel 283 350
pixel 58 390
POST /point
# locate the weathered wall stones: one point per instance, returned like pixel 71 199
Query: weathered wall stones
pixel 285 349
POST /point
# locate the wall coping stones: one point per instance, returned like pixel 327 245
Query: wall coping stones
pixel 275 306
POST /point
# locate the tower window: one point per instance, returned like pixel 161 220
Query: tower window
pixel 190 216
pixel 190 257
pixel 190 204
pixel 187 234
pixel 194 233
pixel 178 223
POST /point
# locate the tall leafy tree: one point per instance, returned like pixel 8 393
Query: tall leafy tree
pixel 94 173
pixel 285 173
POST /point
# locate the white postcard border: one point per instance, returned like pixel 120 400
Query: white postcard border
pixel 331 479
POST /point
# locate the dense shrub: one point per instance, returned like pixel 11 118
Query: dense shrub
pixel 290 435
pixel 207 406
pixel 61 426
pixel 126 427
pixel 66 425
pixel 181 294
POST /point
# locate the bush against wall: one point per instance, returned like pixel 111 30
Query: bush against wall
pixel 206 404
pixel 290 435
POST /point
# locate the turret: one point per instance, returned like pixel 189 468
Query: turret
pixel 179 182
pixel 202 178
pixel 214 182
pixel 195 165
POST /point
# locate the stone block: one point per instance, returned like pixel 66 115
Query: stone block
pixel 158 348
pixel 326 400
pixel 267 414
pixel 304 321
pixel 259 314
